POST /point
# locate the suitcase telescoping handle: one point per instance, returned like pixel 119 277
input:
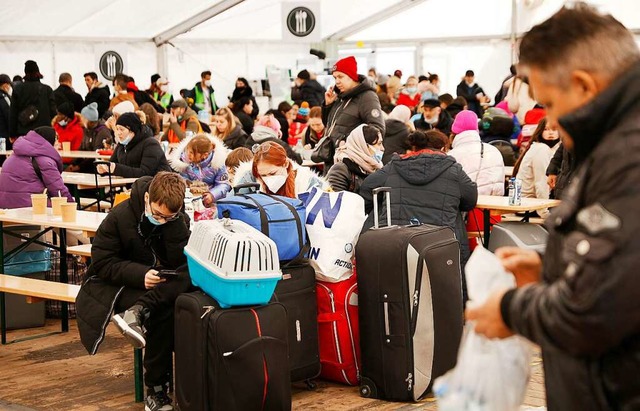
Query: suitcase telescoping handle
pixel 387 191
pixel 255 186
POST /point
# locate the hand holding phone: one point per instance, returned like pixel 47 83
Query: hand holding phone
pixel 168 274
pixel 330 96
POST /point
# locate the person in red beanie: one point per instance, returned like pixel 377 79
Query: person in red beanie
pixel 531 120
pixel 351 102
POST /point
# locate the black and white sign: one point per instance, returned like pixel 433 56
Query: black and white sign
pixel 301 21
pixel 111 64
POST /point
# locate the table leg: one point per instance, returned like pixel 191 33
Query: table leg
pixel 64 278
pixel 527 214
pixel 487 226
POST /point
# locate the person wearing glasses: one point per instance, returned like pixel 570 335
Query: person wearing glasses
pixel 138 239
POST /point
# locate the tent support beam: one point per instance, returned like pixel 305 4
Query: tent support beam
pixel 193 21
pixel 382 15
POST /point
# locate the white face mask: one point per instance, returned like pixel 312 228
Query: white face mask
pixel 274 183
pixel 164 88
pixel 207 83
pixel 10 91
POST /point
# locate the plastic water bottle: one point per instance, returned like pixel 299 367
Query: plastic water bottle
pixel 3 144
pixel 515 191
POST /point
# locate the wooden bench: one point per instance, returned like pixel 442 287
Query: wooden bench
pixel 82 250
pixel 38 290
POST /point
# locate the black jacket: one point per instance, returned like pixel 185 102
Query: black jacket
pixel 237 138
pixel 141 97
pixel 584 314
pixel 143 156
pixel 5 111
pixel 396 139
pixel 65 93
pixel 246 121
pixel 562 165
pixel 125 247
pixel 346 176
pixel 359 105
pixel 469 94
pixel 444 123
pixel 431 188
pixel 312 92
pixel 284 124
pixel 99 95
pixel 31 92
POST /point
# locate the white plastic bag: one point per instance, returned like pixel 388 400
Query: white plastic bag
pixel 490 375
pixel 334 221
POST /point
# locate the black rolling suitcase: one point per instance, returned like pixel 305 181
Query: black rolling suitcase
pixel 297 292
pixel 410 302
pixel 230 359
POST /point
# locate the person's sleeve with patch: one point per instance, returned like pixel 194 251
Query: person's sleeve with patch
pixel 220 186
pixel 370 111
pixel 594 305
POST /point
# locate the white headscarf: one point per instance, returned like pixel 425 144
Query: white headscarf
pixel 357 150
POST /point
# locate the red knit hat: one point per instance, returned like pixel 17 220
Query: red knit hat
pixel 348 66
pixel 531 120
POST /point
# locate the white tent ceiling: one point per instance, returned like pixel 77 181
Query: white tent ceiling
pixel 445 36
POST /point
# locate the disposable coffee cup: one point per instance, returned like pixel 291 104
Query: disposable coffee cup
pixel 68 212
pixel 39 203
pixel 66 146
pixel 56 202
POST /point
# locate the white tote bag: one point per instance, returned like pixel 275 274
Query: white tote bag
pixel 334 221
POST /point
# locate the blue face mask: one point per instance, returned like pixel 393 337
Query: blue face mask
pixel 152 219
pixel 378 156
pixel 412 90
pixel 126 140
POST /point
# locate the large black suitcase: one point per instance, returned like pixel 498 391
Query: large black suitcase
pixel 230 359
pixel 410 302
pixel 297 292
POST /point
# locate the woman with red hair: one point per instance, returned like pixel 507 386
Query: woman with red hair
pixel 276 173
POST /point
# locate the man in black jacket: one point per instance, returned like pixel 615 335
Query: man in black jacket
pixel 32 103
pixel 581 302
pixel 98 93
pixel 310 90
pixel 65 93
pixel 139 237
pixel 472 93
pixel 433 116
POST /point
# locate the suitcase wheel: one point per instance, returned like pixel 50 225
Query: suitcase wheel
pixel 368 388
pixel 311 384
pixel 365 391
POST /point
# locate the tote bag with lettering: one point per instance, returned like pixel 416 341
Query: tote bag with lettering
pixel 334 221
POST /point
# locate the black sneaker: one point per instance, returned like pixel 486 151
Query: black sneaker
pixel 129 323
pixel 157 399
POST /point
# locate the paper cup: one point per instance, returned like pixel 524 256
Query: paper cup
pixel 39 203
pixel 66 146
pixel 68 212
pixel 56 202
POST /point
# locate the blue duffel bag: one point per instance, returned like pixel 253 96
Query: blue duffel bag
pixel 280 218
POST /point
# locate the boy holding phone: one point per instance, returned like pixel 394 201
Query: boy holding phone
pixel 138 269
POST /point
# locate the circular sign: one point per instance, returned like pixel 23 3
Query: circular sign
pixel 301 21
pixel 111 64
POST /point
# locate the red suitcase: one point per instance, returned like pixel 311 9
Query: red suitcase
pixel 338 330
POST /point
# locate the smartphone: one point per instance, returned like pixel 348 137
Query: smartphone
pixel 167 274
